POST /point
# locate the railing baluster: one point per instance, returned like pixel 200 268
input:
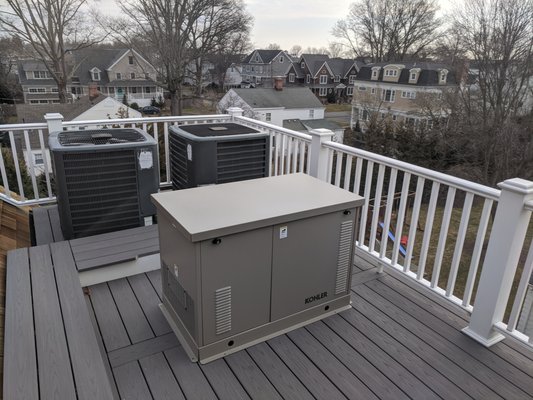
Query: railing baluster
pixel 478 248
pixel 167 152
pixel 16 162
pixel 283 147
pixel 7 192
pixel 414 223
pixel 302 156
pixel 289 155
pixel 338 167
pixel 357 178
pixel 400 218
pixel 31 166
pixel 347 172
pixel 521 291
pixel 461 236
pixel 448 208
pixel 46 166
pixel 308 162
pixel 364 211
pixel 377 207
pixel 329 173
pixel 427 230
pixel 388 213
pixel 295 155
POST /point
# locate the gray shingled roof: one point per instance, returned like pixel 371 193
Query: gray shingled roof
pixel 297 97
pixel 314 61
pixel 29 113
pixel 266 55
pixel 308 124
pixel 429 74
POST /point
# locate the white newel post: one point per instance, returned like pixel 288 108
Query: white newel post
pixel 54 121
pixel 319 155
pixel 499 268
pixel 235 112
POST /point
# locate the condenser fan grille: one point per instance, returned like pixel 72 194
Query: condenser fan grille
pixel 100 137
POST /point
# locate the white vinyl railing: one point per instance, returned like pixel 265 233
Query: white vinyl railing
pixel 467 242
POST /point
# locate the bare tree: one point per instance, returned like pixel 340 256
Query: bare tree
pixel 296 50
pixel 336 50
pixel 389 30
pixel 495 112
pixel 273 46
pixel 53 28
pixel 316 50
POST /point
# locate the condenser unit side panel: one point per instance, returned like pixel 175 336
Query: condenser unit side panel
pixel 203 165
pixel 305 265
pixel 236 274
pixel 62 195
pixel 179 274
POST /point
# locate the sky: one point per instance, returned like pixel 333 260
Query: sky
pixel 307 23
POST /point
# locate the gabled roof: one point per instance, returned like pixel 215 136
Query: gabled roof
pixel 297 70
pixel 429 73
pixel 298 97
pixel 266 56
pixel 310 124
pixel 314 61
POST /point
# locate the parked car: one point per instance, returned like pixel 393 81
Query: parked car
pixel 150 110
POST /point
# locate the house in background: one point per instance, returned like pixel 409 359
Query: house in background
pixel 403 92
pixel 274 105
pixel 326 77
pixel 115 72
pixel 87 108
pixel 233 77
pixel 308 125
pixel 262 66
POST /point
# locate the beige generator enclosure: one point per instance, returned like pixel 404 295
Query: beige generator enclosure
pixel 246 261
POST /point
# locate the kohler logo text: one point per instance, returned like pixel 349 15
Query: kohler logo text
pixel 316 297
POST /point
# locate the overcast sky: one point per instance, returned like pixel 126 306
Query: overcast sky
pixel 288 22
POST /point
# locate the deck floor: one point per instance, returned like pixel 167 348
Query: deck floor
pixel 396 342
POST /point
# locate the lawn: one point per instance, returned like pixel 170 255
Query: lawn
pixel 338 107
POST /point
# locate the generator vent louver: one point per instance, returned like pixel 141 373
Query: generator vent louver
pixel 104 179
pixel 344 256
pixel 206 154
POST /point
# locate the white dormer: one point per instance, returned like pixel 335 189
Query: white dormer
pixel 443 74
pixel 414 74
pixel 392 72
pixel 375 73
pixel 95 74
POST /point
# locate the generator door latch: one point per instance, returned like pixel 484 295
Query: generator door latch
pixel 347 212
pixel 216 241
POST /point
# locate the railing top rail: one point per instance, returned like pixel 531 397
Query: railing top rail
pixel 299 135
pixel 453 181
pixel 150 119
pixel 21 127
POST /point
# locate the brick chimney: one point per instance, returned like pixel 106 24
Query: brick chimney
pixel 278 82
pixel 93 90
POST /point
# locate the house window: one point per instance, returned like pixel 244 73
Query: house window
pixel 253 68
pixel 247 68
pixel 281 59
pixel 260 69
pixel 291 77
pixel 362 88
pixel 95 74
pixel 37 90
pixel 311 114
pixel 302 65
pixel 323 79
pixel 41 75
pixel 308 78
pixel 391 72
pixel 408 95
pixel 133 90
pixel 349 91
pixel 268 117
pixel 323 91
pixel 410 121
pixel 38 159
pixel 147 89
pixel 365 116
pixel 55 101
pixel 394 117
pixel 442 76
pixel 351 80
pixel 413 76
pixel 373 90
pixel 132 75
pixel 119 76
pixel 374 74
pixel 256 58
pixel 147 76
pixel 337 78
pixel 34 101
pixel 55 90
pixel 111 90
pixel 130 60
pixel 388 95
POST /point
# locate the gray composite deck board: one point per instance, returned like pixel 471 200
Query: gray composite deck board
pixel 448 349
pixel 42 226
pixel 83 247
pixel 55 224
pixel 476 350
pixel 137 351
pixel 126 253
pixel 20 361
pixel 342 377
pixel 364 276
pixel 55 374
pixel 86 360
pixel 149 300
pixel 131 383
pixel 278 373
pixel 251 377
pixel 223 381
pixel 155 280
pixel 135 321
pixel 112 329
pixel 160 379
